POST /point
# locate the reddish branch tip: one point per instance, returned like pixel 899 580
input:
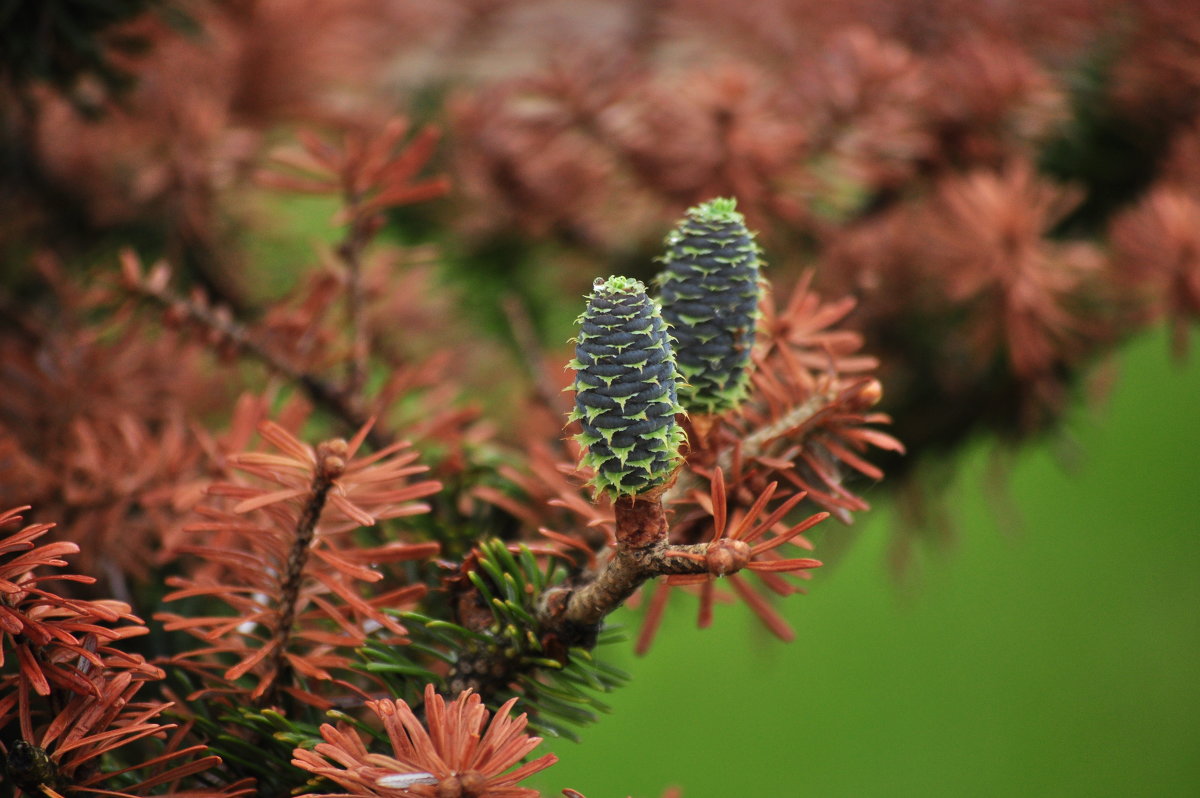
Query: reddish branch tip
pixel 460 750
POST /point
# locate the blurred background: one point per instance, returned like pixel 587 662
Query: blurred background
pixel 1006 195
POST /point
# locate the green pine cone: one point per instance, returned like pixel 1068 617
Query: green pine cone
pixel 710 290
pixel 625 390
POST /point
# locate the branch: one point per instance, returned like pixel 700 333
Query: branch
pixel 338 402
pixel 755 443
pixel 349 251
pixel 642 553
pixel 529 350
pixel 331 462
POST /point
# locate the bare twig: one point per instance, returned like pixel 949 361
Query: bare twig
pixel 642 553
pixel 338 402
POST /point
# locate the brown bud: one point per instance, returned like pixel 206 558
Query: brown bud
pixel 869 395
pixel 474 784
pixel 450 787
pixel 471 784
pixel 333 467
pixel 726 556
pixel 331 456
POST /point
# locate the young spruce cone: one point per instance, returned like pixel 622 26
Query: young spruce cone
pixel 625 390
pixel 710 292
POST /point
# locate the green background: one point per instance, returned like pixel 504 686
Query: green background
pixel 1056 656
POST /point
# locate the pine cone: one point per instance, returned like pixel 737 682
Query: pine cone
pixel 625 390
pixel 710 292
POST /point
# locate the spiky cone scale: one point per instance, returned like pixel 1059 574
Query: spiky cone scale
pixel 710 290
pixel 625 399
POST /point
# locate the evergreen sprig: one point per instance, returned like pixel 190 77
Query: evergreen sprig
pixel 558 686
pixel 506 656
pixel 252 743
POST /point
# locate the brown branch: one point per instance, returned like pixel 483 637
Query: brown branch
pixel 350 251
pixel 331 461
pixel 336 401
pixel 529 350
pixel 620 578
pixel 571 614
pixel 755 443
pixel 642 553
